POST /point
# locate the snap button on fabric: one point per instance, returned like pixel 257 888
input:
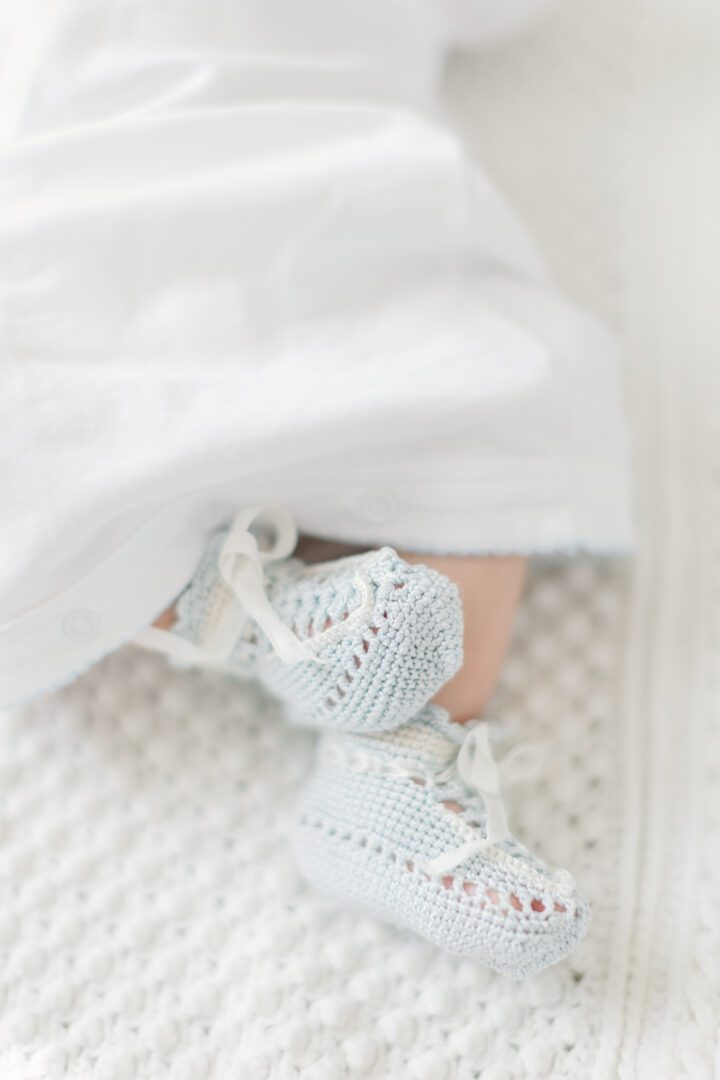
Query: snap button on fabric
pixel 81 625
pixel 378 506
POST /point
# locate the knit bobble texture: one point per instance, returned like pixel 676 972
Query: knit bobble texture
pixel 148 887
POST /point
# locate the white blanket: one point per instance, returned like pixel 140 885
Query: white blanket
pixel 151 923
pixel 244 259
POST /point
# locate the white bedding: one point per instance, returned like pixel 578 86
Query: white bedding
pixel 243 261
pixel 151 923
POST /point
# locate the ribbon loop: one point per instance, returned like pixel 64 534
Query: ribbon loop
pixel 477 769
pixel 475 763
pixel 258 537
pixel 242 563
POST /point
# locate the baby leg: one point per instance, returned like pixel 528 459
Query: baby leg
pixel 490 588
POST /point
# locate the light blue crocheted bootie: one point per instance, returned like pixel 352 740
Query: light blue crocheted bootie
pixel 360 643
pixel 409 826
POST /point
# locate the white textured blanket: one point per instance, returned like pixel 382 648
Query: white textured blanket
pixel 151 922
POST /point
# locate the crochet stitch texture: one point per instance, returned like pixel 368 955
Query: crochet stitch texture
pixel 380 808
pixel 385 634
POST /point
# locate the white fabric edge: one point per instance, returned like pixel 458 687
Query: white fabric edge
pixel 49 645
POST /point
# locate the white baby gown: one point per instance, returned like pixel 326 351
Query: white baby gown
pixel 244 259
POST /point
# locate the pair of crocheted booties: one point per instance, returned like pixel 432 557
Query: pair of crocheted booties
pixel 402 817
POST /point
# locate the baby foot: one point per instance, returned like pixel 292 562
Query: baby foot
pixel 360 643
pixel 409 826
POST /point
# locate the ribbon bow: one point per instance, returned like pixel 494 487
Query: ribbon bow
pixel 476 767
pixel 242 562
